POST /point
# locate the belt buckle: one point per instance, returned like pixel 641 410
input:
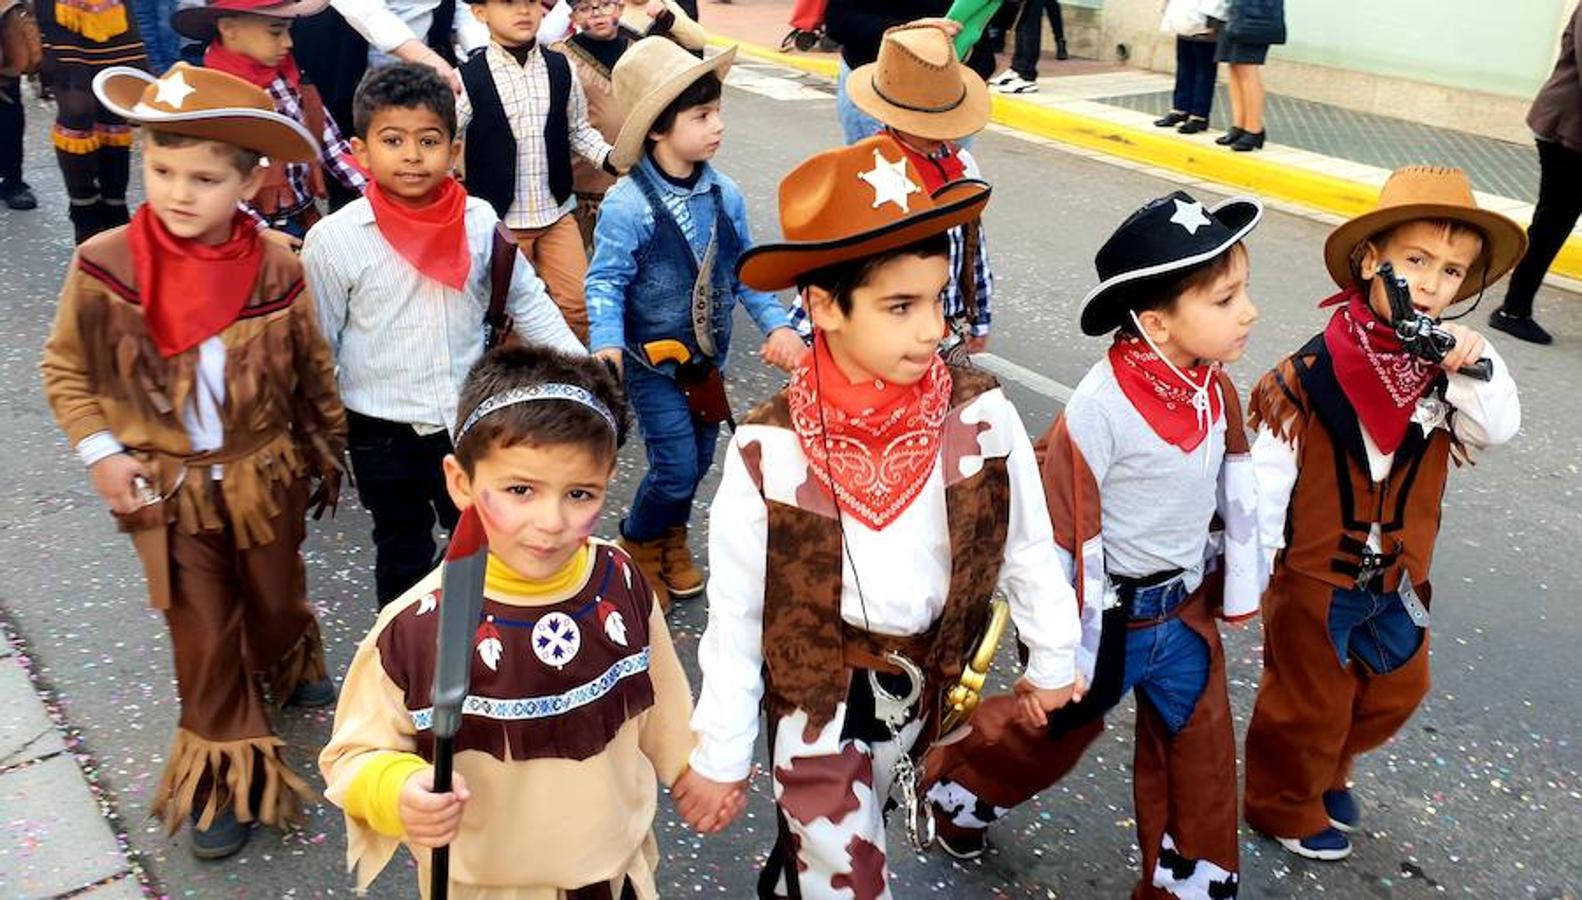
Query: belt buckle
pixel 1371 567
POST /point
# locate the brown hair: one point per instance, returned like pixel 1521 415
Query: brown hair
pixel 243 159
pixel 539 423
pixel 1162 292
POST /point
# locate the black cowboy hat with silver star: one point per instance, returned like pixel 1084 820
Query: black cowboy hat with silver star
pixel 1166 235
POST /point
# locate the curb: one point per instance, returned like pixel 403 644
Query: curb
pixel 1315 190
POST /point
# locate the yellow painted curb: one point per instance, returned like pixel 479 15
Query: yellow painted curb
pixel 1248 171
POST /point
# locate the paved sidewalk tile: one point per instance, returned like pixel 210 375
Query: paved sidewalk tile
pixel 26 731
pixel 56 838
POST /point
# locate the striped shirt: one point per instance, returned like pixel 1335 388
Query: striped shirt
pixel 524 93
pixel 402 341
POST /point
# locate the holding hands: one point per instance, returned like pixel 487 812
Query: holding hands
pixel 708 806
pixel 783 349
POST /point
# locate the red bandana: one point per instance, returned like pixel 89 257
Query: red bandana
pixel 871 445
pixel 1382 381
pixel 191 291
pixel 433 239
pixel 249 69
pixel 936 171
pixel 1158 393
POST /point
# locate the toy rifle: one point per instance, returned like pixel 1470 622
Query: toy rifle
pixel 460 605
pixel 1419 334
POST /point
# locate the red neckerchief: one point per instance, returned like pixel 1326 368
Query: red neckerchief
pixel 249 69
pixel 871 445
pixel 190 290
pixel 1382 381
pixel 1159 395
pixel 433 239
pixel 937 171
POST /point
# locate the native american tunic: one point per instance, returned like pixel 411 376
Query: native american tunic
pixel 577 708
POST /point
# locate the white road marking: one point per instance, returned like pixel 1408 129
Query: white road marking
pixel 774 86
pixel 1024 376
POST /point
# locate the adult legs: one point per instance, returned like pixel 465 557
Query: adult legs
pixel 1559 205
pixel 1029 40
pixel 854 123
pixel 1251 95
pixel 14 191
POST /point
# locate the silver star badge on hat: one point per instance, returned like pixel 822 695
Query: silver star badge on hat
pixel 889 182
pixel 1190 216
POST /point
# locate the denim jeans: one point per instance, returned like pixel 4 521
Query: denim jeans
pixel 1195 69
pixel 680 451
pixel 1373 629
pixel 160 39
pixel 854 123
pixel 1168 661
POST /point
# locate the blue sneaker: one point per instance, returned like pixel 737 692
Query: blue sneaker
pixel 1342 809
pixel 1326 846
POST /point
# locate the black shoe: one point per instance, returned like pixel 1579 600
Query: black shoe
pixel 1523 328
pixel 1231 136
pixel 224 837
pixel 1193 125
pixel 1170 119
pixel 16 194
pixel 316 695
pixel 1060 50
pixel 1248 142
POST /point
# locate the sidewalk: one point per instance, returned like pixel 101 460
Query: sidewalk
pixel 1326 158
pixel 59 842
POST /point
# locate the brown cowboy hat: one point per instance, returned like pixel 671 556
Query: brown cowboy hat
pixel 1414 193
pixel 650 74
pixel 201 22
pixel 853 202
pixel 206 104
pixel 917 86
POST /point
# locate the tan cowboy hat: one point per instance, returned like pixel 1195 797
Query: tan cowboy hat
pixel 200 22
pixel 650 74
pixel 1428 192
pixel 206 104
pixel 917 86
pixel 852 202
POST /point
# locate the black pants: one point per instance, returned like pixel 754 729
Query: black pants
pixel 1030 35
pixel 11 126
pixel 1559 205
pixel 402 485
pixel 1195 68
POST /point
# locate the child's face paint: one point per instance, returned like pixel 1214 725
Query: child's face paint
pixel 539 504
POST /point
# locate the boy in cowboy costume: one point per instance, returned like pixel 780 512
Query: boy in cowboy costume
pixel 186 368
pixel 662 290
pixel 866 514
pixel 251 39
pixel 927 102
pixel 1151 492
pixel 1354 442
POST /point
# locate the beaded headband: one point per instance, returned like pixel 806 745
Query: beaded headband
pixel 549 390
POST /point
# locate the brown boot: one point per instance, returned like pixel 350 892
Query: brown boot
pixel 649 556
pixel 680 571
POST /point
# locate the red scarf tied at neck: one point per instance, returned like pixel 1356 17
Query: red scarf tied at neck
pixel 872 445
pixel 1381 380
pixel 1162 397
pixel 936 170
pixel 190 290
pixel 249 69
pixel 432 238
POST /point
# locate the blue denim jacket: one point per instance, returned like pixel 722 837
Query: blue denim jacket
pixel 639 284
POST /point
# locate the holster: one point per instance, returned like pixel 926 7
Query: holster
pixel 700 381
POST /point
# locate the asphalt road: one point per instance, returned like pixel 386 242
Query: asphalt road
pixel 1478 796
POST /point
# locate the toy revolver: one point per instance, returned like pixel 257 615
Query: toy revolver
pixel 1419 334
pixel 698 377
pixel 963 697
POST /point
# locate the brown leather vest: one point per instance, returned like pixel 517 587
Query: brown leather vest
pixel 804 656
pixel 275 196
pixel 1335 496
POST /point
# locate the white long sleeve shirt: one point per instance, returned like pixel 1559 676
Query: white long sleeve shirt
pixel 894 581
pixel 387 24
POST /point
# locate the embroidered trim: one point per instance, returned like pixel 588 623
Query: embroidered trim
pixel 509 709
pixel 549 390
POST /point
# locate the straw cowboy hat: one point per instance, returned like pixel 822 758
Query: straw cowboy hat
pixel 1428 192
pixel 199 22
pixel 917 86
pixel 650 74
pixel 1166 235
pixel 206 104
pixel 852 202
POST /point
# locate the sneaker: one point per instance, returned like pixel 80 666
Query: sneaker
pixel 1017 85
pixel 17 195
pixel 1328 845
pixel 1523 328
pixel 1003 77
pixel 224 837
pixel 1342 809
pixel 315 695
pixel 962 843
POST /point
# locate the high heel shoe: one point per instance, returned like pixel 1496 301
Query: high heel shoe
pixel 1170 119
pixel 1248 142
pixel 1193 125
pixel 1231 136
